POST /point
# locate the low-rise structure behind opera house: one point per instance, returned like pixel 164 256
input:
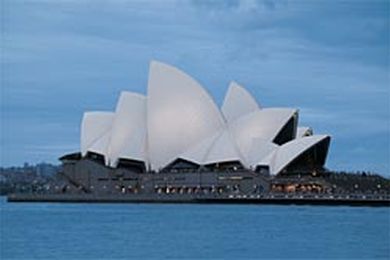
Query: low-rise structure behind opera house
pixel 175 144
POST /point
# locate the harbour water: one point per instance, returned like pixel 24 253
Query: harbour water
pixel 109 231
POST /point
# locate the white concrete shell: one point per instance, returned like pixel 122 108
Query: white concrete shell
pixel 93 126
pixel 259 150
pixel 198 152
pixel 128 134
pixel 100 146
pixel 264 124
pixel 291 150
pixel 237 103
pixel 219 147
pixel 304 131
pixel 179 119
pixel 180 114
pixel 223 150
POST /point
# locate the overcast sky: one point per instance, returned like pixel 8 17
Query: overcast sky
pixel 330 59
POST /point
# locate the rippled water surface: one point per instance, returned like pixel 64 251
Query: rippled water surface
pixel 80 231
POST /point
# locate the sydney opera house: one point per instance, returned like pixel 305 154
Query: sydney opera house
pixel 176 145
pixel 176 140
pixel 178 124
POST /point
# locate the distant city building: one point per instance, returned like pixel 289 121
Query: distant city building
pixel 46 169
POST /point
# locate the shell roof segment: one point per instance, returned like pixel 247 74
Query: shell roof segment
pixel 304 131
pixel 128 134
pixel 223 150
pixel 264 124
pixel 180 114
pixel 93 126
pixel 237 103
pixel 291 150
pixel 100 146
pixel 179 119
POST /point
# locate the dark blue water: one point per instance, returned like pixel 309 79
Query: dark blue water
pixel 81 231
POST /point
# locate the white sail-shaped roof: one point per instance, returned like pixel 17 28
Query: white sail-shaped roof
pixel 179 119
pixel 238 102
pixel 94 125
pixel 264 124
pixel 223 150
pixel 303 131
pixel 128 134
pixel 100 146
pixel 259 150
pixel 180 114
pixel 291 150
pixel 198 152
pixel 219 147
